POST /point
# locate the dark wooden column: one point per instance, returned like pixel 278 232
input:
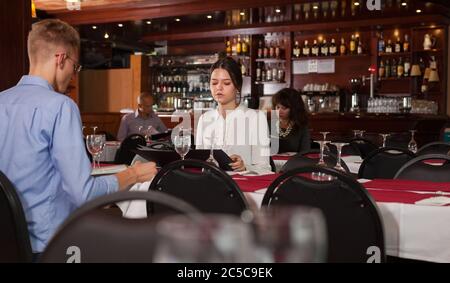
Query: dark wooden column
pixel 15 22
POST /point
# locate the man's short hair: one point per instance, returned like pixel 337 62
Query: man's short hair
pixel 46 35
pixel 144 95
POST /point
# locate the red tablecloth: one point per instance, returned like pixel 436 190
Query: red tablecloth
pixel 254 183
pixel 407 185
pixel 311 155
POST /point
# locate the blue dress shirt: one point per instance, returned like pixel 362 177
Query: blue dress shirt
pixel 42 152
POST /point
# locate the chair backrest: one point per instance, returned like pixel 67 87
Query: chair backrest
pixel 434 148
pixel 354 225
pixel 417 169
pixel 204 186
pixel 124 155
pixel 14 238
pixel 363 146
pixel 91 234
pixel 384 163
pixel 301 159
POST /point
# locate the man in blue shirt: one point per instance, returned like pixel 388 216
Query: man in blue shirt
pixel 41 144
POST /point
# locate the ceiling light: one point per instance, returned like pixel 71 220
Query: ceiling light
pixel 209 17
pixel 242 13
pixel 404 4
pixel 94 27
pixel 418 11
pixel 106 35
pixel 315 7
pixel 149 22
pixel 177 20
pixel 356 3
pixel 278 10
pixel 120 25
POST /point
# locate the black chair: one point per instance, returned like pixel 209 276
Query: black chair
pixel 98 236
pixel 384 163
pixel 417 169
pixel 362 146
pixel 124 155
pixel 434 148
pixel 204 186
pixel 353 221
pixel 14 238
pixel 301 160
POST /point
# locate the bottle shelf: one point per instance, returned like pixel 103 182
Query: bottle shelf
pixel 328 57
pixel 396 78
pixel 269 82
pixel 270 60
pixel 394 54
pixel 428 51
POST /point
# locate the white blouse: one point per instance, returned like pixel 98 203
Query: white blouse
pixel 243 132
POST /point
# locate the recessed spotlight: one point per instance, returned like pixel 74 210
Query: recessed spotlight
pixel 404 4
pixel 120 25
pixel 209 17
pixel 94 27
pixel 315 7
pixel 356 3
pixel 106 35
pixel 278 11
pixel 177 20
pixel 148 22
pixel 242 13
pixel 418 11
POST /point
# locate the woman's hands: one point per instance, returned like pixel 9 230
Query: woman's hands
pixel 238 164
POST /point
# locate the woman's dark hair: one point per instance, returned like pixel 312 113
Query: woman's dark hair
pixel 233 69
pixel 292 99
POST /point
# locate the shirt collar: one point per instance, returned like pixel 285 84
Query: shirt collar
pixel 136 114
pixel 35 80
pixel 239 107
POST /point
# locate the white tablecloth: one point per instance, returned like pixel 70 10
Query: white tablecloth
pixel 109 152
pixel 353 162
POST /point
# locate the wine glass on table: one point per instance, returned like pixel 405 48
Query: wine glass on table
pixel 211 160
pixel 182 142
pixel 339 146
pixel 326 148
pixel 412 145
pixel 384 136
pixel 95 145
pixel 321 163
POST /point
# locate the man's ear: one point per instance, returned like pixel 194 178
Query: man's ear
pixel 60 60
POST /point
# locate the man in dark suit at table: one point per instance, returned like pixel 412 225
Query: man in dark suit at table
pixel 41 144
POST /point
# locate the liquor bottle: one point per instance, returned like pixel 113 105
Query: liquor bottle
pixel 381 44
pixel 296 50
pixel 268 73
pixel 359 46
pixel 260 49
pixel 281 73
pixel 245 46
pixel 342 48
pixel 158 85
pixel 389 47
pixel 258 71
pixel 277 49
pixel 388 69
pixel 272 49
pixel 263 72
pixel 306 49
pixel 407 67
pixel 352 45
pixel 394 68
pixel 400 68
pixel 398 46
pixel 274 74
pixel 324 50
pixel 315 49
pixel 239 46
pixel 228 50
pixel 406 44
pixel 333 48
pixel 381 70
pixel 266 50
pixel 234 47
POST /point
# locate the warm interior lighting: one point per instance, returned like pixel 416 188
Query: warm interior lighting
pixel 177 20
pixel 356 3
pixel 120 25
pixel 106 35
pixel 209 17
pixel 149 22
pixel 33 10
pixel 418 11
pixel 396 33
pixel 242 13
pixel 404 4
pixel 94 27
pixel 315 7
pixel 278 10
pixel 73 1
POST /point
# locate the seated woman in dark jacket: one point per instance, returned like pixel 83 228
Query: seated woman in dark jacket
pixel 293 131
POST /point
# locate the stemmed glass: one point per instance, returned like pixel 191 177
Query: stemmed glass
pixel 384 136
pixel 320 175
pixel 95 145
pixel 412 145
pixel 94 128
pixel 339 146
pixel 361 133
pixel 325 138
pixel 356 133
pixel 211 160
pixel 182 142
pixel 148 134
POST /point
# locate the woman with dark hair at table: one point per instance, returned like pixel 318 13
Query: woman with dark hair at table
pixel 240 132
pixel 293 131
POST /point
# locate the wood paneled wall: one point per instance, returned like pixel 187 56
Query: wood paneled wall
pixel 15 24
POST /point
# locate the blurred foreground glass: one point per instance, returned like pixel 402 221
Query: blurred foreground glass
pixel 290 234
pixel 216 238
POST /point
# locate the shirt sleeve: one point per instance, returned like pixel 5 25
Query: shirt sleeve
pixel 199 134
pixel 123 129
pixel 68 153
pixel 260 148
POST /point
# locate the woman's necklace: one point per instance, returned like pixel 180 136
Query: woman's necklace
pixel 285 132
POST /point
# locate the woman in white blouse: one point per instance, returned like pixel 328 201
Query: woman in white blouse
pixel 240 132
